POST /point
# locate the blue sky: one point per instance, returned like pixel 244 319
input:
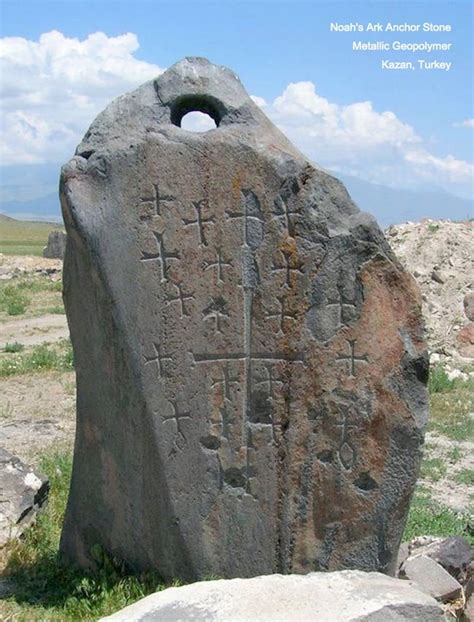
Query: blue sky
pixel 416 131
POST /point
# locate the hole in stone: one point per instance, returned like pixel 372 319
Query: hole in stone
pixel 197 122
pixel 202 112
pixel 365 482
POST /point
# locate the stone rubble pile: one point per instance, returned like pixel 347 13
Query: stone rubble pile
pixel 440 257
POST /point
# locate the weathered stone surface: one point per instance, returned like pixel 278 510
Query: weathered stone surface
pixel 346 596
pixel 22 493
pixel 56 245
pixel 468 304
pixel 432 578
pixel 250 359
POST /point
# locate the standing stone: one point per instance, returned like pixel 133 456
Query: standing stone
pixel 56 245
pixel 250 359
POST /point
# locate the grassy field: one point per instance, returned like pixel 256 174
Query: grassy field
pixel 19 237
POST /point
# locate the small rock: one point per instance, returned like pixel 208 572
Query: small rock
pixel 454 374
pixel 454 554
pixel 465 340
pixel 432 578
pixel 468 303
pixel 22 493
pixel 469 610
pixel 436 276
pixel 403 553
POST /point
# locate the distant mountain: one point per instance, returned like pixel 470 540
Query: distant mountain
pixel 393 206
pixel 45 208
pixel 388 205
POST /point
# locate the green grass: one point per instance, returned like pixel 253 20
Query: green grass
pixel 451 406
pixel 45 589
pixel 427 517
pixel 19 237
pixel 439 382
pixel 13 301
pixel 465 477
pixel 58 357
pixel 13 348
pixel 59 310
pixel 433 469
pixel 33 296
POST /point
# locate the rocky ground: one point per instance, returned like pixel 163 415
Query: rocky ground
pixel 440 254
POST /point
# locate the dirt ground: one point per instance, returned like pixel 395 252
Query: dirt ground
pixel 37 411
pixel 34 331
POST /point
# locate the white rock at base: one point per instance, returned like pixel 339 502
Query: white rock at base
pixel 345 596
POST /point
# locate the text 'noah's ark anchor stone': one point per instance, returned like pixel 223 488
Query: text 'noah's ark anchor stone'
pixel 352 359
pixel 200 221
pixel 163 256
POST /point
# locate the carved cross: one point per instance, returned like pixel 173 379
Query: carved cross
pixel 157 358
pixel 226 381
pixel 156 199
pixel 177 417
pixel 288 268
pixel 181 299
pixel 282 314
pixel 220 264
pixel 199 221
pixel 162 255
pixel 340 302
pixel 352 359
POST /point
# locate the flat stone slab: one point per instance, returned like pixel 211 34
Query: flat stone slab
pixel 250 357
pixel 346 596
pixel 432 578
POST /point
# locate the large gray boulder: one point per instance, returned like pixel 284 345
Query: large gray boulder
pixel 250 358
pixel 23 492
pixel 56 246
pixel 346 596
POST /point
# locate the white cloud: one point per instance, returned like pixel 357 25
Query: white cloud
pixel 53 88
pixel 466 123
pixel 357 140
